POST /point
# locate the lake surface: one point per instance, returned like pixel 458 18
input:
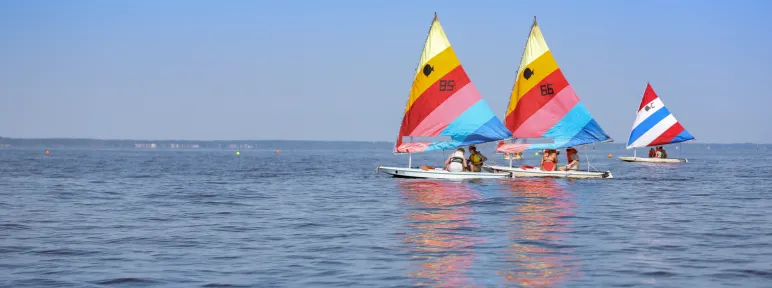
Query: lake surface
pixel 322 217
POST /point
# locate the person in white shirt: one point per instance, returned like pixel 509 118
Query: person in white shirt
pixel 456 161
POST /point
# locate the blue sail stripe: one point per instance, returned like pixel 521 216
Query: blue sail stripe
pixel 443 145
pixel 647 124
pixel 590 133
pixel 476 125
pixel 593 133
pixel 681 137
pixel 469 121
pixel 490 131
pixel 570 125
pixel 577 127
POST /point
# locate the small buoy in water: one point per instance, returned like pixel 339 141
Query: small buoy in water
pixel 537 153
pixel 277 151
pixel 609 155
pixel 238 153
pixel 48 152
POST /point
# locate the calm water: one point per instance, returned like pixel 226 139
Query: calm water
pixel 313 218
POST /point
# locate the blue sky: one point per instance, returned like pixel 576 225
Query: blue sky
pixel 342 70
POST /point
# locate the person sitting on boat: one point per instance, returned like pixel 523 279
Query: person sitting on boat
pixel 544 158
pixel 572 155
pixel 652 152
pixel 664 152
pixel 548 160
pixel 456 161
pixel 658 153
pixel 476 159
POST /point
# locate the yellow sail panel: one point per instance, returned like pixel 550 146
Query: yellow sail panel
pixel 437 60
pixel 438 67
pixel 444 102
pixel 436 42
pixel 538 58
pixel 544 105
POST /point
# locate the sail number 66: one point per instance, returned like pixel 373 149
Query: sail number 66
pixel 546 89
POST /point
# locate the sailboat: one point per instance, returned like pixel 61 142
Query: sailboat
pixel 517 154
pixel 655 126
pixel 544 105
pixel 444 102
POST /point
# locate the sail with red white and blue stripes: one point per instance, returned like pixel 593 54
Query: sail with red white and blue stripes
pixel 655 125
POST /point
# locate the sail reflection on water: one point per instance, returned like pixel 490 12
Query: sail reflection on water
pixel 437 237
pixel 539 225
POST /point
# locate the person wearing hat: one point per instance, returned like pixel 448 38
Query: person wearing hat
pixel 476 159
pixel 572 156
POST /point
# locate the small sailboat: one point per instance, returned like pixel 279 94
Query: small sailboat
pixel 512 154
pixel 444 102
pixel 655 126
pixel 544 105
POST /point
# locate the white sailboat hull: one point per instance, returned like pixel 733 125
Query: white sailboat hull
pixel 439 174
pixel 652 160
pixel 536 172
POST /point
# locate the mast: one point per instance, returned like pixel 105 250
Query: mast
pixel 636 116
pixel 517 74
pixel 522 119
pixel 416 69
pixel 410 156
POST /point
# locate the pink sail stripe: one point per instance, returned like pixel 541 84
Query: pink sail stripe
pixel 448 111
pixel 549 115
pixel 413 147
pixel 511 148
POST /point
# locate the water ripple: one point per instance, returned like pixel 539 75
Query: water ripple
pixel 321 217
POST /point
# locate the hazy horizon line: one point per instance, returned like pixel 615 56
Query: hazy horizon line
pixel 287 140
pixel 187 140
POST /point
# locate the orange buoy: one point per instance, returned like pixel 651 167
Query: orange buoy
pixel 277 151
pixel 48 152
pixel 609 155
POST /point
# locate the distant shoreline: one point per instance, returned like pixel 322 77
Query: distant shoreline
pixel 177 144
pixel 179 140
pixel 222 144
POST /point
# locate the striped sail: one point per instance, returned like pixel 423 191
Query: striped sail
pixel 544 105
pixel 654 124
pixel 444 102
